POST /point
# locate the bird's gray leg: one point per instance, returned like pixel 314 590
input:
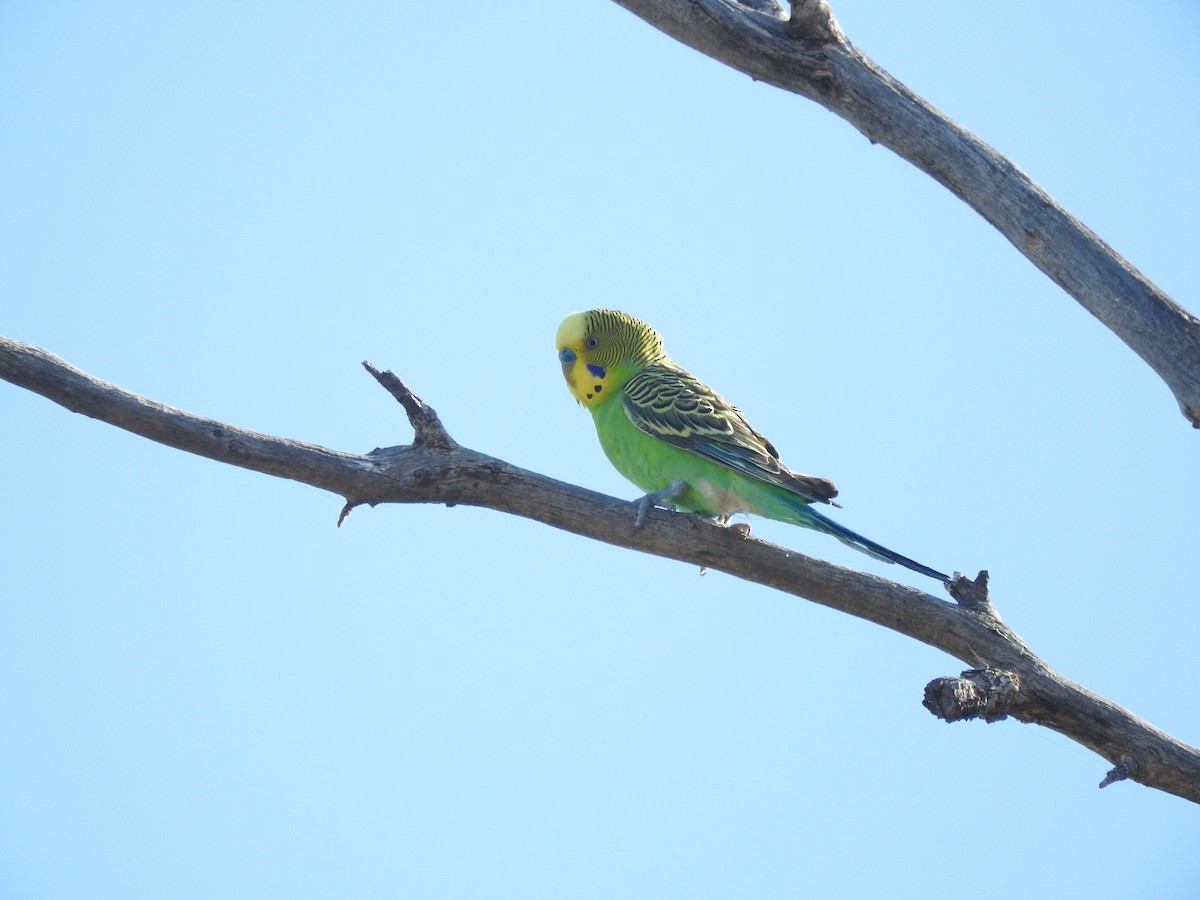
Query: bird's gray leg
pixel 651 500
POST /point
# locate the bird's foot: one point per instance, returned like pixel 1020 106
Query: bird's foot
pixel 657 498
pixel 742 528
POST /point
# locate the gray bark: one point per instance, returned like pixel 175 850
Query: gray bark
pixel 1006 678
pixel 809 55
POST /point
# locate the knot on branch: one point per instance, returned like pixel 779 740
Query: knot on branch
pixel 987 694
pixel 972 595
pixel 813 20
pixel 428 430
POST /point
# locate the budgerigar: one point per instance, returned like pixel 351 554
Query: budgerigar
pixel 680 441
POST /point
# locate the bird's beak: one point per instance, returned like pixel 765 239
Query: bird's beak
pixel 567 357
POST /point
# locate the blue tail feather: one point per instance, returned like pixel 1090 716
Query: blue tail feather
pixel 816 520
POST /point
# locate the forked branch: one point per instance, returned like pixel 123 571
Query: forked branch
pixel 1006 679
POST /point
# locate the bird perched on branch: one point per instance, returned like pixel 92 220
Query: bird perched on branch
pixel 677 439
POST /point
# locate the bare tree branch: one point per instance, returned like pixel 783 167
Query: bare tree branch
pixel 1006 679
pixel 809 55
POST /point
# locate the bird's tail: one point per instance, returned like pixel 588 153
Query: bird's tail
pixel 814 519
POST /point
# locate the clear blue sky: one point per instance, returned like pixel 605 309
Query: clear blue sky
pixel 211 691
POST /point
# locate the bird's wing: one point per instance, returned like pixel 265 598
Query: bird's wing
pixel 675 406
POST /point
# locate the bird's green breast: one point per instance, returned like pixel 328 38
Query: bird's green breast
pixel 654 465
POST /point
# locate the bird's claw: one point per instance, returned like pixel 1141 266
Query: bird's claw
pixel 656 498
pixel 742 528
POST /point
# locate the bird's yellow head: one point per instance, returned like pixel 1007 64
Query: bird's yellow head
pixel 601 349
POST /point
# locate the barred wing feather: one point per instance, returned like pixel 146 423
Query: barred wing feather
pixel 674 406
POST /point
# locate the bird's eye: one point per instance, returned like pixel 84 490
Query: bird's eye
pixel 592 343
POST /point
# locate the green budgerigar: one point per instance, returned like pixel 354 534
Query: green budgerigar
pixel 680 441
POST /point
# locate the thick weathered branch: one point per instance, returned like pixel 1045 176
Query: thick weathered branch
pixel 808 55
pixel 1015 681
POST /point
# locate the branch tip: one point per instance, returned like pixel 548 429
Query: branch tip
pixel 1126 768
pixel 971 594
pixel 427 427
pixel 813 20
pixel 1190 413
